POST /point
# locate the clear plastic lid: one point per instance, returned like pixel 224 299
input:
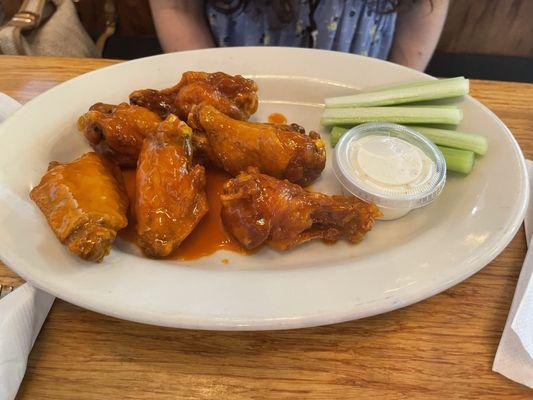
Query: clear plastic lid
pixel 389 165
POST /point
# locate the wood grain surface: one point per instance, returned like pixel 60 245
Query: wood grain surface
pixel 498 27
pixel 441 348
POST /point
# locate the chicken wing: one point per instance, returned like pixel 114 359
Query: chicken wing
pixel 282 151
pixel 233 95
pixel 118 131
pixel 259 209
pixel 170 191
pixel 85 204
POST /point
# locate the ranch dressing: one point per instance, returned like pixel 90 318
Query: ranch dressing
pixel 391 166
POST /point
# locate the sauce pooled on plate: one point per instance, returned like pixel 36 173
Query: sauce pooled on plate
pixel 208 237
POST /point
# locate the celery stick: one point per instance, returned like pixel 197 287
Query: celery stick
pixel 402 115
pixel 458 160
pixel 459 140
pixel 336 133
pixel 380 88
pixel 441 106
pixel 405 93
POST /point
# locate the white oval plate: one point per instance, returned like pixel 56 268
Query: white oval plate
pixel 398 263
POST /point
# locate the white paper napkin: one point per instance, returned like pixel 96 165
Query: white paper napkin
pixel 514 357
pixel 22 314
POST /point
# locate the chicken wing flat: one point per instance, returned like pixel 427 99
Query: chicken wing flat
pixel 117 131
pixel 170 191
pixel 233 95
pixel 85 204
pixel 258 208
pixel 282 151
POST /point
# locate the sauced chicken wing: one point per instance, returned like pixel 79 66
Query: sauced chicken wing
pixel 282 151
pixel 118 131
pixel 259 209
pixel 233 95
pixel 170 191
pixel 85 204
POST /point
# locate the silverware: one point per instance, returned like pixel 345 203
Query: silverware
pixel 5 290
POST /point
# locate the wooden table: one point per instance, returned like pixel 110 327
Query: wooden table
pixel 441 348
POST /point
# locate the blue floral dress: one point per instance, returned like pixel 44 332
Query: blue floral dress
pixel 363 27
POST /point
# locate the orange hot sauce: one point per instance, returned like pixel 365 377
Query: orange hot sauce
pixel 277 118
pixel 208 236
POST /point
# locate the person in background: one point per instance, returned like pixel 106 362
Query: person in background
pixel 403 31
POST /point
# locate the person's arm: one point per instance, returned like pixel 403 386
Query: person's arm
pixel 418 28
pixel 181 24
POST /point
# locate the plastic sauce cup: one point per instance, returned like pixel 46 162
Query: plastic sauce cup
pixel 389 165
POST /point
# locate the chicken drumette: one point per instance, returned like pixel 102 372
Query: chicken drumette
pixel 85 204
pixel 117 131
pixel 259 209
pixel 170 190
pixel 233 95
pixel 282 151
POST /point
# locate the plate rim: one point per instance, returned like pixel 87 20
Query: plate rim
pixel 230 324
